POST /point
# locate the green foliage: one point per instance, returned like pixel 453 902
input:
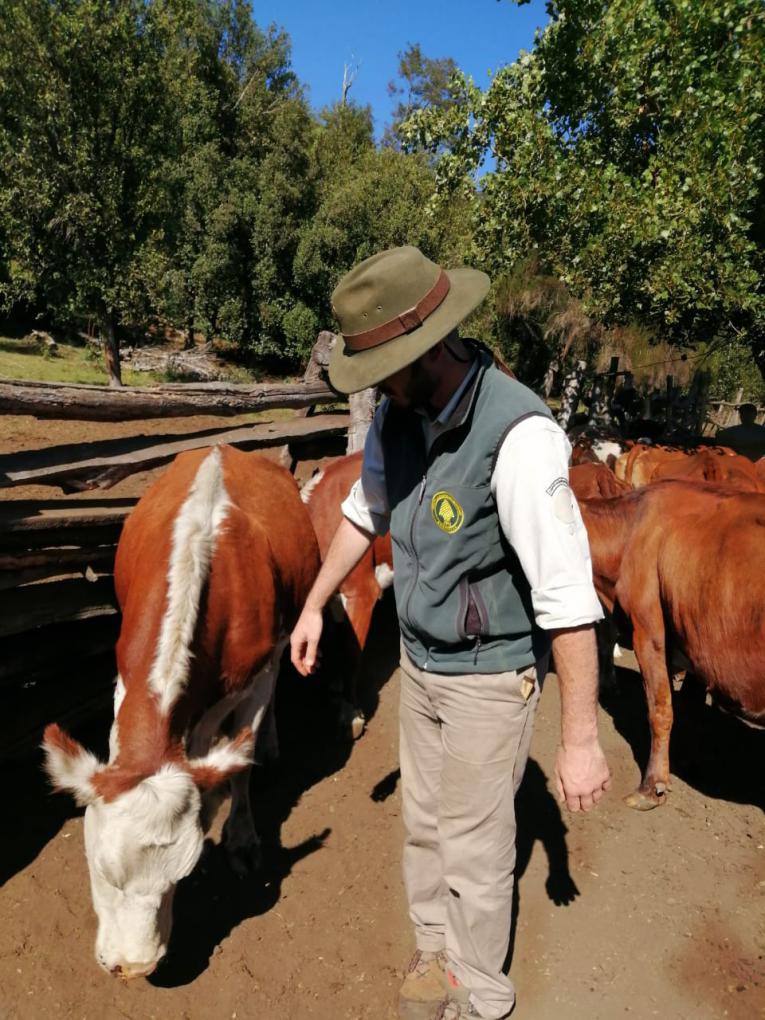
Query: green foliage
pixel 85 122
pixel 628 150
pixel 423 83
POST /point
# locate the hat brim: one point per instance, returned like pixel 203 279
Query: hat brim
pixel 354 371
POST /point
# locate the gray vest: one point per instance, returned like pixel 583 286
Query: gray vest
pixel 463 601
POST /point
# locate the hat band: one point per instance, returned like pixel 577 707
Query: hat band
pixel 406 322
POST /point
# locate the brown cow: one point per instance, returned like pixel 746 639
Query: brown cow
pixel 595 481
pixel 213 566
pixel 718 464
pixel 365 584
pixel 684 565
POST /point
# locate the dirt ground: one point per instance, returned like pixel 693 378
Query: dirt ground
pixel 617 913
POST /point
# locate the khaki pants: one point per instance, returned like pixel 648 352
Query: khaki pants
pixel 464 746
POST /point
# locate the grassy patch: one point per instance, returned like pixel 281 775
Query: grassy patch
pixel 25 358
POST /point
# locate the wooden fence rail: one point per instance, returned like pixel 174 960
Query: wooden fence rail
pixel 177 400
pixel 58 612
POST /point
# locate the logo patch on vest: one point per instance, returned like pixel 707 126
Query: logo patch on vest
pixel 447 513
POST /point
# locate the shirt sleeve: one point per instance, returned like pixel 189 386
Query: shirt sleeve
pixel 367 503
pixel 540 518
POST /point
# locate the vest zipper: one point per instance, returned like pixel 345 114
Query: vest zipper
pixel 477 649
pixel 416 571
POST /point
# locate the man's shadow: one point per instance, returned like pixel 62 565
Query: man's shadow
pixel 538 817
pixel 716 753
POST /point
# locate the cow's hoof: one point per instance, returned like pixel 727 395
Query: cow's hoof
pixel 358 722
pixel 350 721
pixel 645 800
pixel 245 860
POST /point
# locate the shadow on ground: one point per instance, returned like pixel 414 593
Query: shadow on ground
pixel 717 754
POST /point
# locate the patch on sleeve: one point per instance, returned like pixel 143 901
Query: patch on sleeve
pixel 563 502
pixel 553 487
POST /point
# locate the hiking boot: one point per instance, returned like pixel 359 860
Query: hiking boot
pixel 424 986
pixel 457 1006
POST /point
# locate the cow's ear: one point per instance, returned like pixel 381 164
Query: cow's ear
pixel 69 766
pixel 225 759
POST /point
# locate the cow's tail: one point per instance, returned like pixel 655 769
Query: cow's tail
pixel 194 533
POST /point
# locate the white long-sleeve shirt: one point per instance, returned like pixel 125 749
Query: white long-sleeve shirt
pixel 537 511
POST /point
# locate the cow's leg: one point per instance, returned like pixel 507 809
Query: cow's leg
pixel 651 655
pixel 239 835
pixel 358 610
pixel 605 634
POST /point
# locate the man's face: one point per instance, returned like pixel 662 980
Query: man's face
pixel 412 386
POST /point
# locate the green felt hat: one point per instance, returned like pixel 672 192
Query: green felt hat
pixel 392 308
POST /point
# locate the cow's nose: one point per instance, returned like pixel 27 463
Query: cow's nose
pixel 128 971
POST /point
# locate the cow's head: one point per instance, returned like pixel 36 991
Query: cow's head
pixel 142 836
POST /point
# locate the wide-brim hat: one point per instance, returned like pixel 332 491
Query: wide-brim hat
pixel 392 308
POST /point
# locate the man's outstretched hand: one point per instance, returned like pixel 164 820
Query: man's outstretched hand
pixel 304 641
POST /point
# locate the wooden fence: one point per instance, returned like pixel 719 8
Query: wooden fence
pixel 58 613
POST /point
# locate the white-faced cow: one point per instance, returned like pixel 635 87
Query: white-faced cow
pixel 212 568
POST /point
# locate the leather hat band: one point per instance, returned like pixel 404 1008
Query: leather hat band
pixel 406 322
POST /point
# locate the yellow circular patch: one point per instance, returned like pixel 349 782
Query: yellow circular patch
pixel 447 513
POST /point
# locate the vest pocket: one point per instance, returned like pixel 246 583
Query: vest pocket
pixel 472 619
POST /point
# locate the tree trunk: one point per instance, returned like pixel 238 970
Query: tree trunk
pixel 318 363
pixel 111 349
pixel 362 412
pixel 570 393
pixel 188 343
pixel 549 380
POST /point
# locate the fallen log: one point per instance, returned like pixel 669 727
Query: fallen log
pixel 130 403
pixel 83 467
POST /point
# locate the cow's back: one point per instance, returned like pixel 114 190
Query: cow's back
pixel 263 560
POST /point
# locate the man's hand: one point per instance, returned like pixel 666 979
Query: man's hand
pixel 581 775
pixel 304 641
pixel 346 549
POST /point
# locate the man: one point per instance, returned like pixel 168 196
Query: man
pixel 469 472
pixel 748 438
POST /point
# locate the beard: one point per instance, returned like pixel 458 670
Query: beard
pixel 417 390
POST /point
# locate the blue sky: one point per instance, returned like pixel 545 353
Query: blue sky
pixel 481 36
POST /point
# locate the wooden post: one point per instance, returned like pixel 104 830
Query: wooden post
pixel 362 406
pixel 602 395
pixel 670 398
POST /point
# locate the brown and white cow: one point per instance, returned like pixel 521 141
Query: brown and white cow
pixel 212 568
pixel 365 584
pixel 683 565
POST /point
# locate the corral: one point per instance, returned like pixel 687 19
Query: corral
pixel 618 913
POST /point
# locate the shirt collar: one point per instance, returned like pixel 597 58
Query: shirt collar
pixel 449 408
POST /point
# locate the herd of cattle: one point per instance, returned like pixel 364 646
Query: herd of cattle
pixel 212 569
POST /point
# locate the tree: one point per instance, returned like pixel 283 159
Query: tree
pixel 84 129
pixel 372 201
pixel 629 163
pixel 424 83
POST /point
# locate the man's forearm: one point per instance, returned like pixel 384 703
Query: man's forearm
pixel 347 548
pixel 576 664
pixel 581 770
